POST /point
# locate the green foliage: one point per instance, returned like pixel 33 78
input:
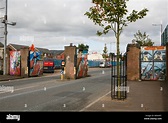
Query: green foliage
pixel 143 39
pixel 105 55
pixel 113 15
pixel 82 47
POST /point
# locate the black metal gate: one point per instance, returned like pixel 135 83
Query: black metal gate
pixel 118 77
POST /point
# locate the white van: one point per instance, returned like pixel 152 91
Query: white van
pixel 102 64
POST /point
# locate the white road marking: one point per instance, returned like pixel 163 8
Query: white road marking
pixel 95 101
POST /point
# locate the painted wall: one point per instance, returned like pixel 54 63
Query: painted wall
pixel 153 63
pixel 35 63
pixel 1 59
pixel 15 63
pixel 82 64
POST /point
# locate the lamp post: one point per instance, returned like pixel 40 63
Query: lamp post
pixel 5 21
pixel 160 31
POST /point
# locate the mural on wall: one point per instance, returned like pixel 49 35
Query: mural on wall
pixel 35 62
pixel 1 60
pixel 15 63
pixel 82 64
pixel 153 63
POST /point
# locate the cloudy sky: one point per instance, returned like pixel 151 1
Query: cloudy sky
pixel 54 24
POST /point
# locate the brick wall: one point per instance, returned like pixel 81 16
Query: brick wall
pixel 24 62
pixel 133 62
pixel 70 57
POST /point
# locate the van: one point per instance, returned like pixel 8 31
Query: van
pixel 102 64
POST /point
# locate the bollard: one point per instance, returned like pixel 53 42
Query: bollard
pixel 62 77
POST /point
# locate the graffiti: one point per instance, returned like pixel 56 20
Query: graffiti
pixel 153 65
pixel 15 62
pixel 82 65
pixel 1 60
pixel 36 64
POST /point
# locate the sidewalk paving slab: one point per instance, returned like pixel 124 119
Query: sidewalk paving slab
pixel 143 96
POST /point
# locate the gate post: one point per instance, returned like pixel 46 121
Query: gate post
pixel 24 61
pixel 70 62
pixel 133 62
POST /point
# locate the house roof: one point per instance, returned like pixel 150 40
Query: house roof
pixel 17 47
pixel 57 52
pixel 43 50
pixel 1 44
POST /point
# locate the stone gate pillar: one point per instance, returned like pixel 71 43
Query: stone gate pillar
pixel 133 62
pixel 70 62
pixel 24 61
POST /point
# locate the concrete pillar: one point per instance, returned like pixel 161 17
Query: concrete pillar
pixel 24 61
pixel 70 62
pixel 133 62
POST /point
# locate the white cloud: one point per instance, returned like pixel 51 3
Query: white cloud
pixel 56 23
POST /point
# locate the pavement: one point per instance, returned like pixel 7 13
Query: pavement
pixel 10 77
pixel 143 96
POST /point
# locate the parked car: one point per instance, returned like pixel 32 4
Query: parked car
pixel 104 64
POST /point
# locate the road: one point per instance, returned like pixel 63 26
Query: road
pixel 49 93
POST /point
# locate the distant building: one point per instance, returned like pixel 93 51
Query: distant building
pixel 16 47
pixel 44 52
pixel 57 54
pixel 164 36
pixel 94 56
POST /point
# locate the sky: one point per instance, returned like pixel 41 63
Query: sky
pixel 53 24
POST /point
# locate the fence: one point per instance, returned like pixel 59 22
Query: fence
pixel 119 78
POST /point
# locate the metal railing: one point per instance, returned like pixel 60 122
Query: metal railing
pixel 119 78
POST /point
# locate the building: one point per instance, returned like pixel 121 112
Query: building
pixel 57 54
pixel 44 52
pixel 16 47
pixel 94 56
pixel 164 36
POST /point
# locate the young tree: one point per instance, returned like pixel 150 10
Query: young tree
pixel 82 47
pixel 143 39
pixel 113 15
pixel 105 55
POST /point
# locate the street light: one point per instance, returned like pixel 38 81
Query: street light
pixel 160 31
pixel 5 21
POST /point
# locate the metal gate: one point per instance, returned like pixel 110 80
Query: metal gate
pixel 118 77
pixel 153 63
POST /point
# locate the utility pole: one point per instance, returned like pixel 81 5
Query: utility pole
pixel 5 21
pixel 161 28
pixel 5 43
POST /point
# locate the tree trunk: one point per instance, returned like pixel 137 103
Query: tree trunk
pixel 118 63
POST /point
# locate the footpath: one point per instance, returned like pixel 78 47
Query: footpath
pixel 143 96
